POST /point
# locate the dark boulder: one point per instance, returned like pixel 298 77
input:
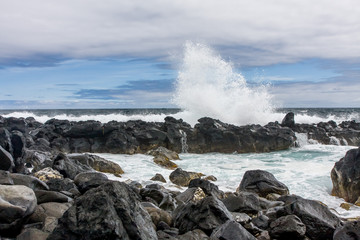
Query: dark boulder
pixel 288 120
pixel 262 183
pixel 6 160
pixel 231 230
pixel 111 211
pixel 159 178
pixel 287 227
pixel 206 215
pixel 345 176
pixel 49 209
pixel 43 196
pixel 243 202
pixel 69 167
pixel 320 222
pixel 29 181
pixel 209 188
pixel 349 231
pixel 87 180
pixel 182 178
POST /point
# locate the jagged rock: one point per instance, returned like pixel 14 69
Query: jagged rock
pixel 38 159
pixel 345 176
pixel 164 152
pixel 183 178
pixel 206 215
pixel 16 203
pixel 320 222
pixel 111 211
pixel 243 202
pixel 69 168
pixel 157 214
pixel 6 160
pixel 288 120
pixel 196 234
pixel 261 221
pixel 158 177
pixel 49 224
pixel 160 197
pixel 59 185
pixel 31 234
pixel 262 183
pixel 208 187
pixel 349 231
pixel 87 180
pixel 287 227
pixel 48 173
pixel 241 218
pixel 231 230
pixel 98 163
pixel 191 194
pixel 29 181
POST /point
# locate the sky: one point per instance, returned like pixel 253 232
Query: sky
pixel 127 54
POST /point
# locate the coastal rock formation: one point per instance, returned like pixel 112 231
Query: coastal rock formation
pixel 345 176
pixel 262 183
pixel 183 178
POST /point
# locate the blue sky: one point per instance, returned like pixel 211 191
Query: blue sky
pixel 125 54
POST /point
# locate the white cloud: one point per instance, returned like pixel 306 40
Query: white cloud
pixel 250 32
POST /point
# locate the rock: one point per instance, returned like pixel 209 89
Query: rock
pixel 6 160
pixel 59 185
pixel 38 159
pixel 98 163
pixel 241 218
pixel 16 203
pixel 243 202
pixel 183 178
pixel 287 227
pixel 87 180
pixel 29 181
pixel 345 176
pixel 262 183
pixel 5 178
pixel 191 194
pixel 288 120
pixel 211 178
pixel 196 234
pixel 320 222
pixel 208 187
pixel 163 152
pixel 349 231
pixel 111 211
pixel 50 196
pixel 32 234
pixel 206 215
pixel 346 206
pixel 158 177
pixel 49 209
pixel 231 230
pixel 49 224
pixel 261 221
pixel 69 168
pixel 157 215
pixel 263 236
pixel 47 173
pixel 164 162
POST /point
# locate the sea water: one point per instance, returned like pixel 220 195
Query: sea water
pixel 207 85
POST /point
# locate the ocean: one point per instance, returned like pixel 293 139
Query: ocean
pixel 304 169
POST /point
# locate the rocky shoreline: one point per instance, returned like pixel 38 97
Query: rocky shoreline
pixel 51 190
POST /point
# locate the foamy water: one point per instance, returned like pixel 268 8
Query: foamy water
pixel 305 170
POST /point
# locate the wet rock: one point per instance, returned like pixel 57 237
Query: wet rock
pixel 345 176
pixel 209 188
pixel 158 177
pixel 16 203
pixel 87 180
pixel 349 231
pixel 262 183
pixel 287 227
pixel 163 152
pixel 231 230
pixel 191 194
pixel 320 222
pixel 6 160
pixel 211 178
pixel 288 120
pixel 47 173
pixel 206 215
pixel 112 211
pixel 183 178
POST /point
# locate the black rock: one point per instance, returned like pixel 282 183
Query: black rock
pixel 231 230
pixel 6 160
pixel 69 168
pixel 205 215
pixel 87 180
pixel 262 183
pixel 243 202
pixel 50 196
pixel 111 211
pixel 288 120
pixel 349 231
pixel 287 227
pixel 209 188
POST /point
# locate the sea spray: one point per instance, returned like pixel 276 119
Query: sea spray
pixel 208 86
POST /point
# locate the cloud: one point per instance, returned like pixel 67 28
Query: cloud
pixel 249 32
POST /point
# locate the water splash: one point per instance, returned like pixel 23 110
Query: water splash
pixel 208 86
pixel 184 146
